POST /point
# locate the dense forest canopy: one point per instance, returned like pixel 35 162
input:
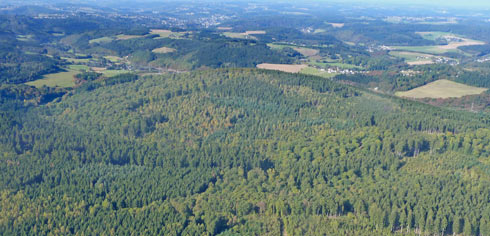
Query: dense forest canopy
pixel 146 119
pixel 244 151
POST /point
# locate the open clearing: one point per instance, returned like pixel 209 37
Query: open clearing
pixel 282 67
pixel 225 28
pixel 336 25
pixel 163 50
pixel 79 67
pixel 317 72
pixel 414 58
pixel 307 52
pixel 166 34
pixel 442 89
pixel 101 40
pixel 114 59
pixel 255 32
pixel 247 35
pixel 61 79
pixel 433 35
pixel 126 37
pixel 110 73
pixel 454 42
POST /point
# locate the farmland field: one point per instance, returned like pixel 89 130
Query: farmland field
pixel 454 43
pixel 336 25
pixel 426 49
pixel 442 89
pixel 101 40
pixel 247 35
pixel 163 50
pixel 317 72
pixel 433 35
pixel 114 59
pixel 282 67
pixel 126 37
pixel 79 67
pixel 166 34
pixel 110 73
pixel 413 58
pixel 61 79
pixel 307 52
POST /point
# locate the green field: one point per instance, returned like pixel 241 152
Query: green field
pixel 316 72
pixel 114 59
pixel 434 35
pixel 101 40
pixel 238 35
pixel 167 34
pixel 79 67
pixel 163 50
pixel 452 46
pixel 426 49
pixel 409 56
pixel 414 58
pixel 75 60
pixel 126 37
pixel 61 79
pixel 442 89
pixel 334 64
pixel 319 31
pixel 110 73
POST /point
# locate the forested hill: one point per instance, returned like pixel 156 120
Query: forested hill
pixel 240 151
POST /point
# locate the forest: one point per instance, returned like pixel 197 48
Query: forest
pixel 203 153
pixel 155 120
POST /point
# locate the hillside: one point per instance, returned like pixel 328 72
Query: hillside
pixel 240 151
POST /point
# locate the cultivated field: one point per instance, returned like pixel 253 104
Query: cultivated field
pixel 282 67
pixel 336 25
pixel 101 40
pixel 442 89
pixel 61 79
pixel 114 59
pixel 246 35
pixel 126 37
pixel 163 50
pixel 110 73
pixel 317 72
pixel 307 52
pixel 166 34
pixel 413 58
pixel 455 42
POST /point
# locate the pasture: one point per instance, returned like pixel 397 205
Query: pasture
pixel 413 58
pixel 60 79
pixel 101 40
pixel 110 73
pixel 126 37
pixel 317 72
pixel 162 33
pixel 307 52
pixel 336 25
pixel 442 89
pixel 454 42
pixel 163 50
pixel 282 67
pixel 246 35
